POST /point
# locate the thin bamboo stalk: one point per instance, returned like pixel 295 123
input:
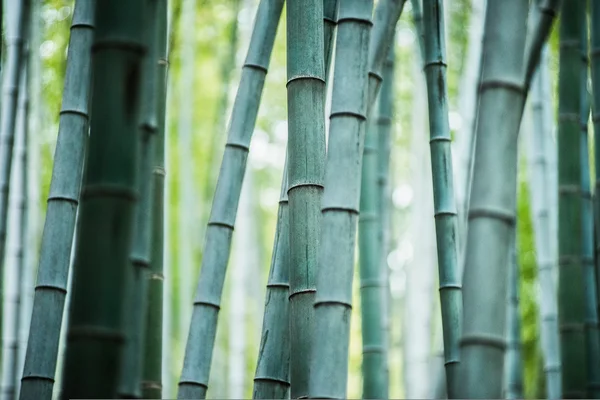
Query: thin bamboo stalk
pixel 443 187
pixel 96 331
pixel 340 208
pixel 330 10
pixel 57 238
pixel 539 147
pixel 592 333
pixel 130 385
pixel 152 387
pixel 15 261
pixel 595 74
pixel 492 201
pixel 17 17
pixel 514 364
pixel 571 303
pixel 196 367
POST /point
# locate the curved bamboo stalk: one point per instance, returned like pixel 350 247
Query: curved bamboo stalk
pixel 196 367
pixel 539 148
pixel 57 238
pixel 592 334
pixel 443 187
pixel 514 365
pixel 492 205
pixel 15 261
pixel 571 303
pixel 153 346
pixel 96 331
pixel 139 268
pixel 17 24
pixel 272 380
pixel 306 159
pixel 332 306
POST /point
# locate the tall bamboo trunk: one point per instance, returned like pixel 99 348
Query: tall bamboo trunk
pixel 16 245
pixel 201 338
pixel 539 148
pixel 572 299
pixel 595 74
pixel 96 337
pixel 492 201
pixel 384 195
pixel 139 269
pixel 152 382
pixel 420 272
pixel 592 334
pixel 513 365
pixel 185 211
pixel 464 144
pixel 17 22
pixel 57 238
pixel 443 187
pixel 329 363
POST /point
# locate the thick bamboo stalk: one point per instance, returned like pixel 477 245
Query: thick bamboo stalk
pixel 96 331
pixel 340 208
pixel 571 303
pixel 306 159
pixel 140 253
pixel 196 367
pixel 59 227
pixel 443 187
pixel 492 201
pixel 17 243
pixel 17 17
pixel 592 334
pixel 539 147
pixel 153 343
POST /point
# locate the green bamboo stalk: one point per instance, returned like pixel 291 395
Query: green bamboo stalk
pixel 271 380
pixel 332 305
pixel 153 347
pixel 15 255
pixel 443 187
pixel 57 238
pixel 196 367
pixel 16 31
pixel 139 270
pixel 492 202
pixel 96 331
pixel 540 148
pixel 384 195
pixel 595 74
pixel 571 300
pixel 592 333
pixel 374 364
pixel 306 162
pixel 514 364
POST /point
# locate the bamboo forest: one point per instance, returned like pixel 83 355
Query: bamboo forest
pixel 270 199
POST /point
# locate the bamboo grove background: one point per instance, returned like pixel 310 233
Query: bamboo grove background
pixel 207 42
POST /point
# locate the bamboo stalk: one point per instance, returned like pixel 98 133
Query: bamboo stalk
pixel 57 238
pixel 140 253
pixel 539 148
pixel 492 201
pixel 443 187
pixel 595 75
pixel 196 367
pixel 152 386
pixel 96 331
pixel 340 208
